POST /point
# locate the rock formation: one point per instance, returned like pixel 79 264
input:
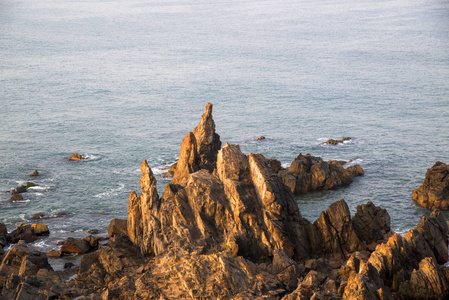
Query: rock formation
pixel 335 142
pixel 434 192
pixel 227 227
pixel 76 156
pixel 307 173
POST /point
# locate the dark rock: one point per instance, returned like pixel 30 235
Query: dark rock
pixel 372 223
pixel 37 216
pixel 19 190
pixel 76 246
pixel 21 260
pixel 261 138
pixel 434 192
pixel 93 242
pixel 93 231
pixel 16 197
pixel 68 265
pixel 35 173
pixel 22 232
pixel 117 226
pixel 76 156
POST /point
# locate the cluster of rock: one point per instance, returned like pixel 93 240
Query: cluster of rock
pixel 335 142
pixel 25 232
pixel 17 192
pixel 434 192
pixel 307 173
pixel 227 226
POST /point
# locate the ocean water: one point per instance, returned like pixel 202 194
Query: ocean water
pixel 124 81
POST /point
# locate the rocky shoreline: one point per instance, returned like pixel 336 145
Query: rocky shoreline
pixel 228 227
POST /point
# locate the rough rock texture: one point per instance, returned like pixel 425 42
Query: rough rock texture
pixel 76 156
pixel 434 192
pixel 21 260
pixel 307 173
pixel 40 229
pixel 76 246
pixel 22 232
pixel 35 173
pixel 198 149
pixel 117 226
pixel 227 227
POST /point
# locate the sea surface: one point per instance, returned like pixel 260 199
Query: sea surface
pixel 124 81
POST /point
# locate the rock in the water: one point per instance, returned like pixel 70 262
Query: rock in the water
pixel 37 216
pixel 261 138
pixel 35 173
pixel 307 173
pixel 76 156
pixel 434 192
pixel 117 226
pixel 16 197
pixel 171 171
pixel 335 142
pixel 22 232
pixel 40 229
pixel 76 246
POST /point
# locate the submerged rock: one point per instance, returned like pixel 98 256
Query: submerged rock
pixel 434 192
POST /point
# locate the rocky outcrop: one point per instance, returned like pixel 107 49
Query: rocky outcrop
pixel 307 173
pixel 76 156
pixel 22 232
pixel 335 142
pixel 117 226
pixel 21 260
pixel 227 227
pixel 198 149
pixel 434 192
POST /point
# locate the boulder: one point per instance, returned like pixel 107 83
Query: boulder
pixel 261 138
pixel 22 232
pixel 117 226
pixel 37 216
pixel 372 223
pixel 40 229
pixel 35 173
pixel 21 260
pixel 54 253
pixel 426 282
pixel 16 197
pixel 434 192
pixel 76 156
pixel 75 246
pixel 307 173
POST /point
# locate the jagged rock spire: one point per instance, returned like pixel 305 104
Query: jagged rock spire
pixel 198 149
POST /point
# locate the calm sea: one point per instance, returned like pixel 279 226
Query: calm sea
pixel 124 81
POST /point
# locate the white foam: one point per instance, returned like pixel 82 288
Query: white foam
pixel 113 192
pixel 354 162
pixel 39 188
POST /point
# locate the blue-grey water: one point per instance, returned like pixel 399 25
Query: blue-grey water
pixel 124 81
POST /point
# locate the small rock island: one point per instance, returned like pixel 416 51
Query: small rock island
pixel 227 226
pixel 434 192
